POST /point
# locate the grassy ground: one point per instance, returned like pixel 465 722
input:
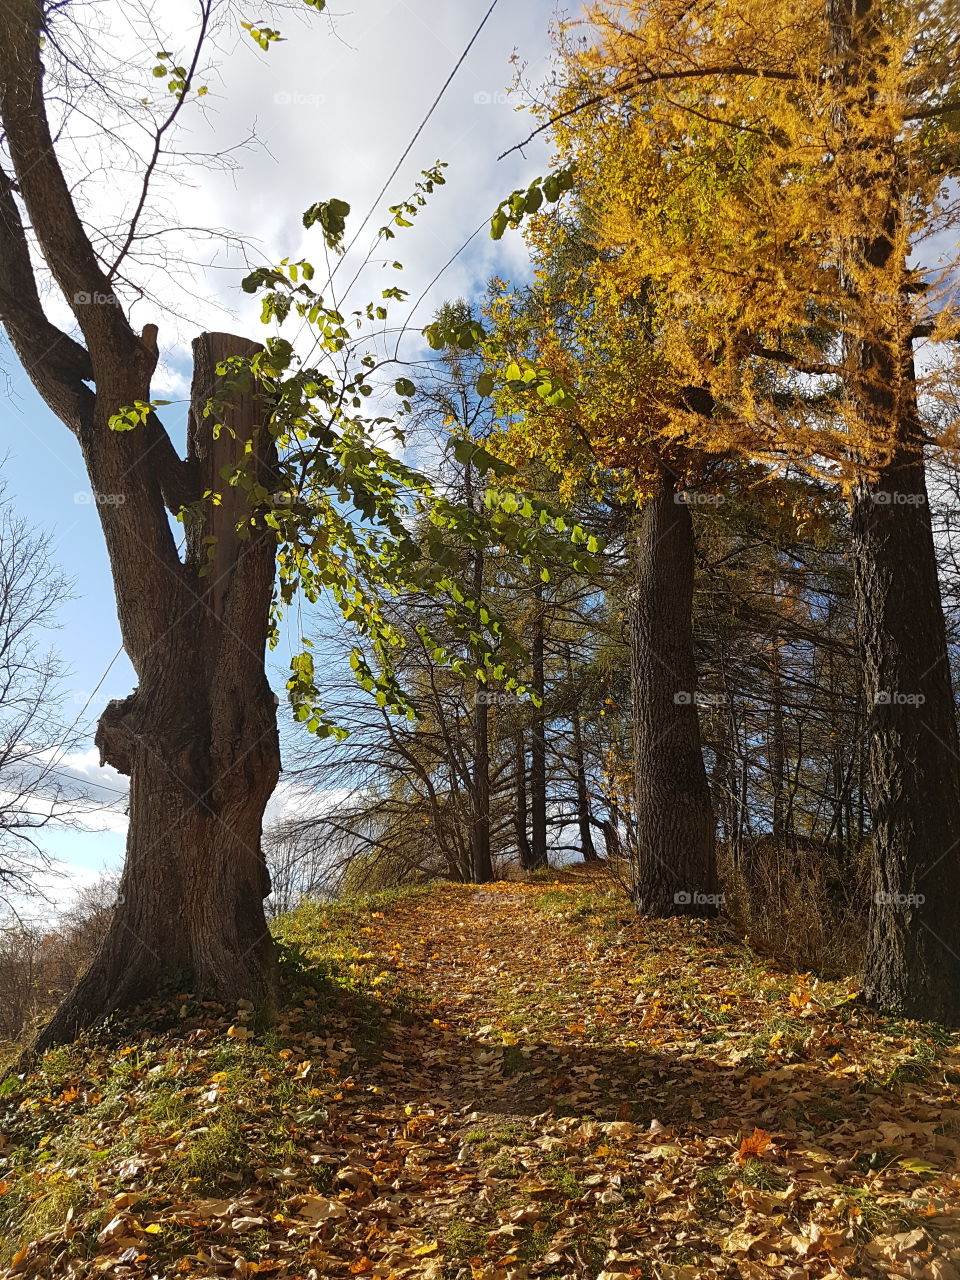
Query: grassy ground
pixel 494 1083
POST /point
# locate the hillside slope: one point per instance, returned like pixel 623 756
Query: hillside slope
pixel 494 1083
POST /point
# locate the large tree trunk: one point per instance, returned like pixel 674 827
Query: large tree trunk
pixel 674 861
pixel 913 948
pixel 198 738
pixel 913 951
pixel 776 749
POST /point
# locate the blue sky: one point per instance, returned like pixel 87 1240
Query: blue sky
pixel 332 107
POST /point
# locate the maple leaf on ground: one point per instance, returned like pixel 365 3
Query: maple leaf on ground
pixel 754 1146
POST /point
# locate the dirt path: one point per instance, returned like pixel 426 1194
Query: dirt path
pixel 499 1084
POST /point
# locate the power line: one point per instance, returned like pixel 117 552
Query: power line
pixel 449 263
pixel 420 128
pixel 57 756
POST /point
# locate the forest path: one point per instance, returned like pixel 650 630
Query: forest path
pixel 497 1083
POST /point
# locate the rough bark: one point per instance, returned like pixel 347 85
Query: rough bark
pixel 913 950
pixel 584 815
pixel 674 860
pixel 198 738
pixel 912 964
pixel 538 743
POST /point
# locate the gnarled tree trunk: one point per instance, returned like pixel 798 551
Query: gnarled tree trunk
pixel 198 738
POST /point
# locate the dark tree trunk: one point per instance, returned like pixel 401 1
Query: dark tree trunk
pixel 611 840
pixel 776 751
pixel 912 965
pixel 584 816
pixel 674 870
pixel 538 744
pixel 481 866
pixel 524 852
pixel 198 738
pixel 913 948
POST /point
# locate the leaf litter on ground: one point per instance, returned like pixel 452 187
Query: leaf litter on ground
pixel 494 1083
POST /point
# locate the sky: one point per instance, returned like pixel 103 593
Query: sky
pixel 325 112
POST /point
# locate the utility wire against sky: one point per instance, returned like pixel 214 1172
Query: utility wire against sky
pixel 393 173
pixel 410 145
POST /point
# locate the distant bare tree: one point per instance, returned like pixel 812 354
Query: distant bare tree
pixel 33 793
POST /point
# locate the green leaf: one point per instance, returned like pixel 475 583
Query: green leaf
pixel 485 384
pixel 331 216
pixel 468 451
pixel 404 387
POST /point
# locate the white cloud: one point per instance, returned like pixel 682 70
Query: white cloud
pixel 332 108
pixel 103 807
pixel 55 890
pixel 293 800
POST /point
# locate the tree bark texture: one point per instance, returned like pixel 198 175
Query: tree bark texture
pixel 674 860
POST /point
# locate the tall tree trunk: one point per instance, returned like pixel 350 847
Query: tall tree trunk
pixel 198 738
pixel 913 949
pixel 524 852
pixel 538 744
pixel 481 866
pixel 912 964
pixel 584 816
pixel 674 869
pixel 776 751
pixel 611 840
